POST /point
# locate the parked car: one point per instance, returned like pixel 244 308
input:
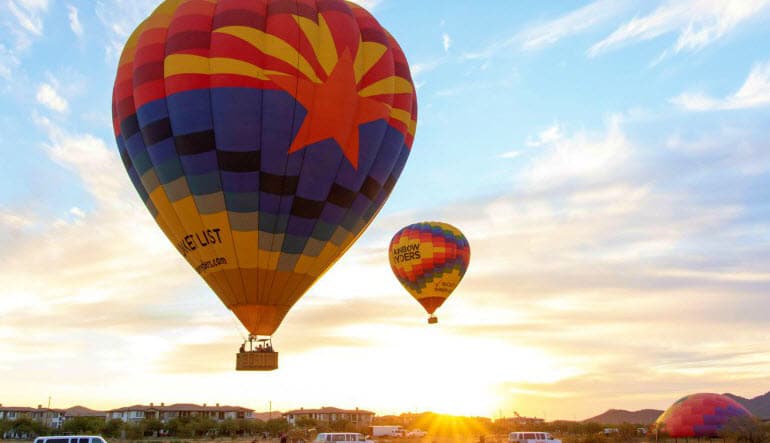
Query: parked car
pixel 326 437
pixel 70 439
pixel 531 437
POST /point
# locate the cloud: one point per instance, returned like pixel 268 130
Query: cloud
pixel 28 20
pixel 584 156
pixel 541 35
pixel 446 41
pixel 75 24
pixel 698 24
pixel 548 136
pixel 754 92
pixel 578 21
pixel 48 96
pixel 8 62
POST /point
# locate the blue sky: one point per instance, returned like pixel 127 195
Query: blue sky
pixel 608 161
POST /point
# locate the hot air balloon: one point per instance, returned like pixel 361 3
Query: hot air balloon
pixel 700 415
pixel 263 137
pixel 429 259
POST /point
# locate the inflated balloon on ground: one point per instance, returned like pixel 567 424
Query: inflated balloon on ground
pixel 700 415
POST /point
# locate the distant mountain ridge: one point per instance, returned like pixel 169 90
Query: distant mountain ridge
pixel 618 416
pixel 759 406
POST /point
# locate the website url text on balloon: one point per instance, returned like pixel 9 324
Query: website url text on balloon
pixel 208 264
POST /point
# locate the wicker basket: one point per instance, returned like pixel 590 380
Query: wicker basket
pixel 256 361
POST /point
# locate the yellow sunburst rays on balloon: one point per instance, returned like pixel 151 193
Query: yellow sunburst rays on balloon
pixel 327 54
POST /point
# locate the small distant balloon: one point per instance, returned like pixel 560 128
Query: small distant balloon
pixel 430 259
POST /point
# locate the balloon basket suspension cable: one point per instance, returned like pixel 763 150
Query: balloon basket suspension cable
pixel 432 320
pixel 256 354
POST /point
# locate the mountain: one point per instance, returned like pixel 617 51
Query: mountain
pixel 82 411
pixel 265 416
pixel 618 416
pixel 759 406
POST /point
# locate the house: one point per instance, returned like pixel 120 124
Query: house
pixel 165 413
pixel 328 414
pixel 53 418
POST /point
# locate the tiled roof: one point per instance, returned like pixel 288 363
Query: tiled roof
pixel 82 411
pixel 182 407
pixel 27 409
pixel 329 410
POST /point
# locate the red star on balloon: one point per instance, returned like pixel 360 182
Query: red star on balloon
pixel 334 108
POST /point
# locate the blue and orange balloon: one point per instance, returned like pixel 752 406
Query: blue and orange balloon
pixel 700 415
pixel 263 137
pixel 429 259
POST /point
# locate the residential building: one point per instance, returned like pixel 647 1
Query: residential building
pixel 328 414
pixel 165 413
pixel 53 418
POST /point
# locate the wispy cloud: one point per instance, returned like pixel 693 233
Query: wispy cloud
pixel 446 40
pixel 548 136
pixel 698 24
pixel 582 156
pixel 48 96
pixel 541 35
pixel 28 20
pixel 549 33
pixel 754 92
pixel 8 62
pixel 75 24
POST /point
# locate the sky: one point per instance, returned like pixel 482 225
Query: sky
pixel 608 161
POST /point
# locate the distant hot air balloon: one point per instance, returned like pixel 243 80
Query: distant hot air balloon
pixel 700 415
pixel 429 259
pixel 263 137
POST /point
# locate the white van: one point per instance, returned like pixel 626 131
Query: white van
pixel 70 439
pixel 531 437
pixel 325 437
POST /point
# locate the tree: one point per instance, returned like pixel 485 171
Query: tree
pixel 744 429
pixel 83 425
pixel 5 426
pixel 152 426
pixel 305 422
pixel 113 428
pixel 276 426
pixel 134 431
pixel 227 427
pixel 25 426
pixel 252 427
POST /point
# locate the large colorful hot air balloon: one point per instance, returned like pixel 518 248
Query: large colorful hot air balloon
pixel 263 137
pixel 700 415
pixel 429 259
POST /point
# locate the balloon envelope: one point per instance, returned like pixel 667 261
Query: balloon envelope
pixel 263 137
pixel 700 415
pixel 429 259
